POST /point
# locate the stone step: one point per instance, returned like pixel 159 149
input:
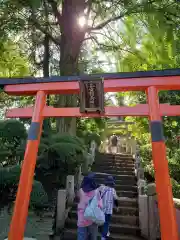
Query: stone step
pixel 126 160
pixel 121 181
pixel 124 228
pixel 71 234
pixel 120 219
pixel 114 164
pixel 114 171
pixel 128 202
pixel 109 169
pixel 116 160
pixel 116 176
pixel 119 172
pixel 115 157
pixel 123 202
pixel 128 194
pixel 131 211
pixel 114 228
pixel 119 187
pixel 129 208
pixel 116 218
pixel 124 157
pixel 114 167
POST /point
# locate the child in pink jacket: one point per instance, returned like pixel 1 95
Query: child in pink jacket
pixel 87 229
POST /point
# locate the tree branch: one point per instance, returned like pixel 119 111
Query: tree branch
pixel 89 3
pixel 43 30
pixel 136 9
pixel 115 48
pixel 34 21
pixel 103 24
pixel 57 14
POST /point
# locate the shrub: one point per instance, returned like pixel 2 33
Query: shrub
pixel 12 141
pixel 174 169
pixel 9 179
pixel 59 157
pixel 146 154
pixel 175 188
pixel 63 152
pixel 146 160
pixel 39 197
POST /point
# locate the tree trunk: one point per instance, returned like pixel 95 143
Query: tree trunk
pixel 72 37
pixel 46 124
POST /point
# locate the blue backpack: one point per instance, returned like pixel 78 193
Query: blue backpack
pixel 93 212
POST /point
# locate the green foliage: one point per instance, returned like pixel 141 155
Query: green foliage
pixel 60 156
pixel 175 188
pixel 68 139
pixel 9 179
pixel 12 141
pixel 12 62
pixel 146 153
pixel 92 136
pixel 86 125
pixel 91 129
pixel 39 197
pixel 12 130
pixel 62 149
pixel 151 41
pixel 146 159
pixel 174 165
pixel 9 176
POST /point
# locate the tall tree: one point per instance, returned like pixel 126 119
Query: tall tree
pixel 70 23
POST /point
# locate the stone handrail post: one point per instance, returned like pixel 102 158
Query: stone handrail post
pixel 79 178
pixel 142 197
pixel 153 214
pixel 92 151
pixel 127 145
pixel 61 209
pixel 70 189
pixel 90 157
pixel 65 198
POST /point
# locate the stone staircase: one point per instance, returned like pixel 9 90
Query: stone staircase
pixel 124 224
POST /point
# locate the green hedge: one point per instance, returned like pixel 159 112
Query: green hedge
pixel 9 179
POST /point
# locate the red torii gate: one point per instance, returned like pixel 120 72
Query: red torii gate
pixel 150 82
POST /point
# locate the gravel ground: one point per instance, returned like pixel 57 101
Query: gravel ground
pixel 36 227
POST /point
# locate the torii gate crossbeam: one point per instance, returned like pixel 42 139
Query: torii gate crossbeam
pixel 140 110
pixel 150 82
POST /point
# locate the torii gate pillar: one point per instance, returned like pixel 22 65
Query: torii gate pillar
pixel 18 222
pixel 163 184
